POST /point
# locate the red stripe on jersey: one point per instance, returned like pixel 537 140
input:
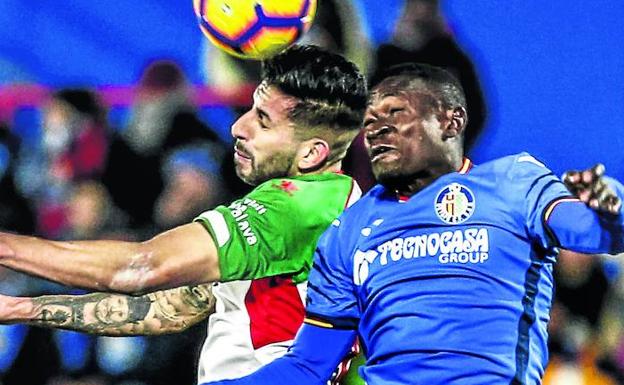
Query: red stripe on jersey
pixel 466 166
pixel 349 194
pixel 275 310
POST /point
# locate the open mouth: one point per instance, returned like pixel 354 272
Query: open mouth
pixel 379 151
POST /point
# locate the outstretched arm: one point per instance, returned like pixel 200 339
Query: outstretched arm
pixel 186 255
pixel 161 312
pixel 576 227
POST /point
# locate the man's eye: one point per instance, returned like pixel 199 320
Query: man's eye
pixel 394 111
pixel 368 122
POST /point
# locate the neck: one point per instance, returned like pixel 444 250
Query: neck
pixel 414 183
pixel 333 167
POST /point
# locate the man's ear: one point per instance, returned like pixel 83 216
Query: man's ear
pixel 312 155
pixel 456 119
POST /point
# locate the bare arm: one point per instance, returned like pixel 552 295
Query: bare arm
pixel 182 256
pixel 161 312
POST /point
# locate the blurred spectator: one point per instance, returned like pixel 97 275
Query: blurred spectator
pixel 581 289
pixel 15 211
pixel 91 213
pixel 75 134
pixel 610 342
pixel 73 146
pixel 421 36
pixel 192 185
pixel 162 119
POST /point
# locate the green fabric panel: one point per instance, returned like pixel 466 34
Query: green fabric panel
pixel 274 229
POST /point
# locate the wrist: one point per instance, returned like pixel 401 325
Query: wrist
pixel 14 309
pixel 21 309
pixel 5 249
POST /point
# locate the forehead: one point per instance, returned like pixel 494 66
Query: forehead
pixel 395 91
pixel 273 102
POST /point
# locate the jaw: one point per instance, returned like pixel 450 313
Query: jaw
pixel 387 172
pixel 245 173
pixel 386 162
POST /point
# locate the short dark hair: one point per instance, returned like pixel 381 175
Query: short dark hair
pixel 331 90
pixel 442 84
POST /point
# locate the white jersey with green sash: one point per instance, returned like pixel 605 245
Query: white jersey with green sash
pixel 266 241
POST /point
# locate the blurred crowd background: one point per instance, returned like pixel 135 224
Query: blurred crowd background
pixel 114 123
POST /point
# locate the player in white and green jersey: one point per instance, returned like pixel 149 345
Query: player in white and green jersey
pixel 290 144
pixel 265 241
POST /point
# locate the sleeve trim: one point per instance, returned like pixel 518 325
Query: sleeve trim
pixel 551 206
pixel 217 222
pixel 466 166
pixel 321 324
pixel 333 323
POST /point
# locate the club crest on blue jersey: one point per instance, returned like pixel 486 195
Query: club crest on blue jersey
pixel 454 204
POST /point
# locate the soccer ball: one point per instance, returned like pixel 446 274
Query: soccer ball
pixel 254 29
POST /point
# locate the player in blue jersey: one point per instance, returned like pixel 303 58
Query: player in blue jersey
pixel 444 270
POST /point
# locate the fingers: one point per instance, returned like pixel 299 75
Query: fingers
pixel 598 170
pixel 590 187
pixel 571 177
pixel 585 177
pixel 607 201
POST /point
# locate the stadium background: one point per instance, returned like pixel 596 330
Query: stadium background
pixel 552 74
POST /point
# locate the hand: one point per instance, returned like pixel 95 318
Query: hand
pixel 590 187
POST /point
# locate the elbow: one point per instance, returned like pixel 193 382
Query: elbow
pixel 132 282
pixel 142 274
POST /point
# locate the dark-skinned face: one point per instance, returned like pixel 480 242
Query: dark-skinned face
pixel 403 134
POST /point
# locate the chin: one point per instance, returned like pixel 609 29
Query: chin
pixel 245 177
pixel 388 178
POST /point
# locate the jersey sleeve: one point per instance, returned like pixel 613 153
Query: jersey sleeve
pixel 580 228
pixel 556 219
pixel 331 299
pixel 539 189
pixel 256 236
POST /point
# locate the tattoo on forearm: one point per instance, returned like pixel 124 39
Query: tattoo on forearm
pixel 67 311
pixel 200 297
pixel 57 316
pixel 116 314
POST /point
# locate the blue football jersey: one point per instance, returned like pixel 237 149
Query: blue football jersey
pixel 451 286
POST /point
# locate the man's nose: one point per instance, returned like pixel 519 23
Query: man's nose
pixel 240 127
pixel 377 131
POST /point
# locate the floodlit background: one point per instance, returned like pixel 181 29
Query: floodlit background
pixel 154 148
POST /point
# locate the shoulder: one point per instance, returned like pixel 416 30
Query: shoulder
pixel 363 206
pixel 521 165
pixel 304 193
pixel 294 187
